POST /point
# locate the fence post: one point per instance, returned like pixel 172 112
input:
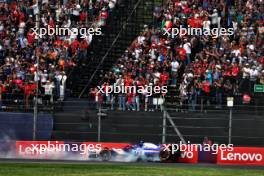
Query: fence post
pixel 99 125
pixel 35 113
pixel 230 126
pixel 164 127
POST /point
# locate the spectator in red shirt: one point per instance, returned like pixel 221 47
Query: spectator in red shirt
pixel 83 16
pixel 74 46
pixel 30 37
pixel 164 77
pixel 29 90
pixel 182 54
pixel 130 102
pixel 206 91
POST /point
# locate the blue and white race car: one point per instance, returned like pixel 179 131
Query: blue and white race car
pixel 140 152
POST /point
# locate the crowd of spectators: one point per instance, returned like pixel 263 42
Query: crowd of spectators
pixel 57 54
pixel 208 66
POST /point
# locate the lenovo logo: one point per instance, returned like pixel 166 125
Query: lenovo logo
pixel 242 157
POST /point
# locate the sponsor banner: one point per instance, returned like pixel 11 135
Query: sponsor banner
pixel 242 156
pixel 207 157
pixel 62 150
pixel 39 149
pixel 189 155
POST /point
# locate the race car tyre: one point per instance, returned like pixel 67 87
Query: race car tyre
pixel 164 155
pixel 105 154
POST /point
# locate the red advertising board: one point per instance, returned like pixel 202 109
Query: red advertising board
pixel 38 149
pixel 61 149
pixel 242 156
pixel 189 155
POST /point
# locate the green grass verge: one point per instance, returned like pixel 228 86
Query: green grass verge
pixel 41 169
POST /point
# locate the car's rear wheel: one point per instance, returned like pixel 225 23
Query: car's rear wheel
pixel 105 154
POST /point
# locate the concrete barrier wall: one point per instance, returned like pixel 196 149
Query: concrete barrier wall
pixel 19 126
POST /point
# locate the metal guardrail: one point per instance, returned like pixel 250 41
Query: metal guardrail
pixel 168 126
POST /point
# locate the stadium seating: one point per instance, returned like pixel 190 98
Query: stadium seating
pixel 207 69
pixel 29 59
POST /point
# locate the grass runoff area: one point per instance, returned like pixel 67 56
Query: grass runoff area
pixel 110 169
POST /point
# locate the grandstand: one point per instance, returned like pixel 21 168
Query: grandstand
pixel 61 74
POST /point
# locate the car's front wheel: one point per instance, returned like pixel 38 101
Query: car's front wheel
pixel 164 155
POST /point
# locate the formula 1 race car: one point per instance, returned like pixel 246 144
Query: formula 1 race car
pixel 139 152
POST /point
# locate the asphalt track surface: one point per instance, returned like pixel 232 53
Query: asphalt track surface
pixel 153 164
